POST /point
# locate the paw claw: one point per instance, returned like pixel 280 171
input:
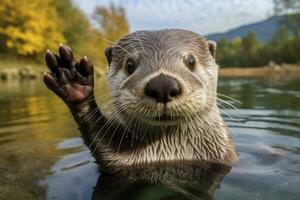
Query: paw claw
pixel 85 67
pixel 51 61
pixel 67 56
pixel 72 82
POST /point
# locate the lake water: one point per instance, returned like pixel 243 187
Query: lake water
pixel 43 157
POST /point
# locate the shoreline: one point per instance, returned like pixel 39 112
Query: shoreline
pixel 264 71
pixel 31 73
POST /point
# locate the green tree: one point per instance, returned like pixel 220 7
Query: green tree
pixel 250 47
pixel 75 25
pixel 111 26
pixel 291 10
pixel 229 52
pixel 112 22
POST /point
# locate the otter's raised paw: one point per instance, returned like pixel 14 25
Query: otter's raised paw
pixel 71 81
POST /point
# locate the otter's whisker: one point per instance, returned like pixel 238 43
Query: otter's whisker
pixel 99 96
pixel 94 111
pixel 228 115
pixel 114 44
pixel 231 98
pixel 112 122
pixel 128 124
pixel 227 103
pixel 108 121
pixel 91 114
pixel 134 125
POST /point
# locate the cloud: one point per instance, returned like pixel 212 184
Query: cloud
pixel 202 16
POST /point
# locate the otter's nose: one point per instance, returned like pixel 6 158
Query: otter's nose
pixel 162 88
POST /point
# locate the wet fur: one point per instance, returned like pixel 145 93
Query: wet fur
pixel 126 138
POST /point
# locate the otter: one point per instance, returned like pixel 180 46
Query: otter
pixel 163 86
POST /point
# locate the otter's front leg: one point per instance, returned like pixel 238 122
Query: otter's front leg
pixel 73 82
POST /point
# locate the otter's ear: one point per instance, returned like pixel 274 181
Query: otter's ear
pixel 212 45
pixel 108 54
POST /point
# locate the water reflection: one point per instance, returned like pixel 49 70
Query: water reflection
pixel 43 157
pixel 189 181
pixel 28 138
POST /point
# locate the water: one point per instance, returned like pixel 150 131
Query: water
pixel 43 157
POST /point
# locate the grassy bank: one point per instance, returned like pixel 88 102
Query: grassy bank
pixel 18 69
pixel 270 70
pixel 14 68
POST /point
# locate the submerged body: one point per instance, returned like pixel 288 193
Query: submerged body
pixel 163 88
pixel 188 181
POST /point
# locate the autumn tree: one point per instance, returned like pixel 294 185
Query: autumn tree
pixel 29 27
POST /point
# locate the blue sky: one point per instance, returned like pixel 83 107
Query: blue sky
pixel 202 16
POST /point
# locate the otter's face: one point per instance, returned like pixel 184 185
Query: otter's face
pixel 162 78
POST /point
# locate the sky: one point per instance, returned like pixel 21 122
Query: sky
pixel 202 16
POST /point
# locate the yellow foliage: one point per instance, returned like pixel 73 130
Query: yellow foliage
pixel 113 25
pixel 112 21
pixel 29 26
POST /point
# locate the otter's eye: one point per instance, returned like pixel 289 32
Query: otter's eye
pixel 190 62
pixel 130 66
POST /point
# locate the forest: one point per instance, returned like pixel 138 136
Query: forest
pixel 28 28
pixel 284 47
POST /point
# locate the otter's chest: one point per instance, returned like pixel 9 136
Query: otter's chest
pixel 178 148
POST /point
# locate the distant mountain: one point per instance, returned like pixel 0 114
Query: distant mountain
pixel 263 30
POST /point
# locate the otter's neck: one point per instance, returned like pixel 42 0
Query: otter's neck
pixel 204 138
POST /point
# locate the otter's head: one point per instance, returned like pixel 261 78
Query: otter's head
pixel 162 78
